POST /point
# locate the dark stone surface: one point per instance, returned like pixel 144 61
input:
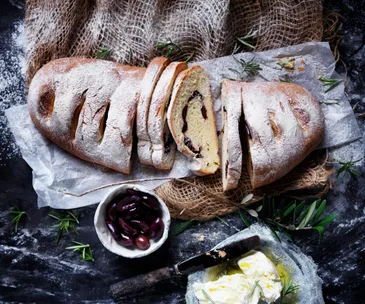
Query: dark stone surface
pixel 35 269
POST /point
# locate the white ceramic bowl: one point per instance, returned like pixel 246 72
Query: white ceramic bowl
pixel 107 239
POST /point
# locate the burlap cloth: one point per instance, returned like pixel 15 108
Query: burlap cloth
pixel 131 29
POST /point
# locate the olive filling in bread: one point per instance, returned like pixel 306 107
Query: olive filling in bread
pixel 283 124
pixel 163 145
pixel 191 120
pixel 231 139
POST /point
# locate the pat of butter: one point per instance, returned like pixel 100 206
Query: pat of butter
pixel 259 280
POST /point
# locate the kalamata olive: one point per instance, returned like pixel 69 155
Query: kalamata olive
pixel 127 229
pixel 140 225
pixel 156 229
pixel 125 240
pixel 113 229
pixel 133 213
pixel 150 216
pixel 142 242
pixel 152 203
pixel 133 192
pixel 112 212
pixel 128 201
pixel 126 208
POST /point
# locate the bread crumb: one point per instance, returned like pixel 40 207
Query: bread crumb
pixel 222 253
pixel 302 61
pixel 300 68
pixel 200 238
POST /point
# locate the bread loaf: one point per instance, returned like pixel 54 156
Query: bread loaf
pixel 88 107
pixel 284 123
pixel 191 120
pixel 231 142
pixel 163 145
pixel 152 75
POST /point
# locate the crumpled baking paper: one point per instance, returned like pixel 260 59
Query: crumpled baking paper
pixel 302 268
pixel 61 179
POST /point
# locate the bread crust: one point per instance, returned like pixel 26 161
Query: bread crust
pixel 87 107
pixel 197 165
pixel 157 124
pixel 286 123
pixel 150 79
pixel 231 162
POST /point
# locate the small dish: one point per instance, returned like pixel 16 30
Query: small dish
pixel 105 235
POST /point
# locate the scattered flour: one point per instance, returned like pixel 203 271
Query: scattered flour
pixel 12 89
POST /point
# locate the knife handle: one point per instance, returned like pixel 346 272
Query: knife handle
pixel 140 282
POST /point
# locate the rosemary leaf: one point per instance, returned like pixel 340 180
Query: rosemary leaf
pixel 65 221
pixel 247 39
pixel 85 250
pixel 320 230
pixel 179 228
pixel 247 198
pixel 102 53
pixel 288 288
pixel 307 216
pixel 285 79
pixel 243 218
pixel 222 221
pixel 290 208
pixel 298 210
pixel 328 219
pixel 320 208
pixel 329 82
pixel 18 216
pixel 168 48
pixel 208 297
pixel 347 167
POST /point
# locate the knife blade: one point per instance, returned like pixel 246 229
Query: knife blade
pixel 193 264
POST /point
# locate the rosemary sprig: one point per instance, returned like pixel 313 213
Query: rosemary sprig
pixel 18 214
pixel 347 167
pixel 252 290
pixel 330 102
pixel 168 48
pixel 290 216
pixel 179 228
pixel 288 288
pixel 64 223
pixel 207 296
pixel 247 39
pixel 225 223
pixel 85 250
pixel 102 53
pixel 285 79
pixel 329 82
pixel 249 68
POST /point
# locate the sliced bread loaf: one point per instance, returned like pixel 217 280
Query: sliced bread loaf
pixel 284 123
pixel 152 75
pixel 191 120
pixel 163 145
pixel 231 142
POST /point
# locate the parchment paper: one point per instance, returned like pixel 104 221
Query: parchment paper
pixel 56 172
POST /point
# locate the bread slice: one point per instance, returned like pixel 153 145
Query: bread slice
pixel 88 107
pixel 152 75
pixel 191 120
pixel 163 145
pixel 284 123
pixel 231 159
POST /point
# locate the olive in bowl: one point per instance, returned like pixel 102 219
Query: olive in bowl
pixel 132 221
